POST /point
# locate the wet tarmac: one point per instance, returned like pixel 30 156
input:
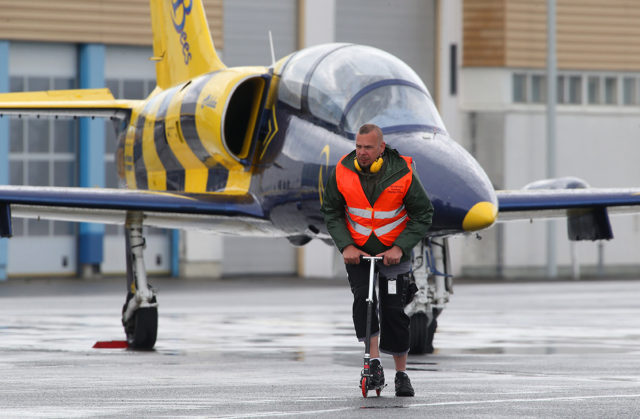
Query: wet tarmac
pixel 284 347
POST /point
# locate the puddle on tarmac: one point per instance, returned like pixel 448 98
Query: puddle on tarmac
pixel 384 407
pixel 532 350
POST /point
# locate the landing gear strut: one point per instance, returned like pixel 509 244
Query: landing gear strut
pixel 435 284
pixel 140 311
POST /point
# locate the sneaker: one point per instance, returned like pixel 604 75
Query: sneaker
pixel 377 374
pixel 403 385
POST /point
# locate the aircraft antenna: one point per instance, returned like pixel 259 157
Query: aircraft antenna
pixel 273 53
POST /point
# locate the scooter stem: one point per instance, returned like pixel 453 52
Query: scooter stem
pixel 372 260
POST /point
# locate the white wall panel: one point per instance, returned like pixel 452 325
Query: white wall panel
pixel 405 28
pixel 246 42
pixel 246 30
pixel 243 255
pixel 47 60
pixel 129 62
pixel 39 256
pixel 598 145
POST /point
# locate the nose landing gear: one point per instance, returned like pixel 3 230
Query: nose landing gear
pixel 435 284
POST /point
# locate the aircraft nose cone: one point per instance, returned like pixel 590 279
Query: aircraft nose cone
pixel 481 215
pixel 462 195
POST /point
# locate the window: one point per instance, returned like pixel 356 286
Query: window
pixel 593 90
pixel 42 153
pixel 347 85
pixel 575 90
pixel 538 88
pixel 393 105
pixel 629 91
pixel 561 96
pixel 519 88
pixel 611 90
pixel 65 136
pixel 16 140
pixel 38 136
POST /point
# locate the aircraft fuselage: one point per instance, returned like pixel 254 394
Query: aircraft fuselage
pixel 267 133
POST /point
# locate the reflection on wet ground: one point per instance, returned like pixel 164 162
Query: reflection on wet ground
pixel 541 327
pixel 280 348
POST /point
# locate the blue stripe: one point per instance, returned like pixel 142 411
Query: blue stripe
pixel 122 199
pixel 140 169
pixel 190 99
pixel 174 169
pixel 565 199
pixel 217 175
pixel 217 178
pixel 190 134
pixel 166 97
pixel 188 117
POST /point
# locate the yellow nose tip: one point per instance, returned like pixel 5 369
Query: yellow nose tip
pixel 480 216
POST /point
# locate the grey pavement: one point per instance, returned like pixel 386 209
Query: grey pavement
pixel 284 347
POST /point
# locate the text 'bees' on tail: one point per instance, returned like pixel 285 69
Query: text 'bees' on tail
pixel 182 44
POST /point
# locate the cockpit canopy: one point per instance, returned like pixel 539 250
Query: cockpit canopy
pixel 348 85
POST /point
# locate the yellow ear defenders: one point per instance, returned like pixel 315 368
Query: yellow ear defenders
pixel 374 168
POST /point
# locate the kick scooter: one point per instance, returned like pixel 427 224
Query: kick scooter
pixel 366 375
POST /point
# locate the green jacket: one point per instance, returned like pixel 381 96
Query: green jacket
pixel 417 204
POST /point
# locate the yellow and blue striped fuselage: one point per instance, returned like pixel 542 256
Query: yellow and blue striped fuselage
pixel 197 137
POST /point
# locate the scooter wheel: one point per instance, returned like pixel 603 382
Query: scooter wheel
pixel 363 385
pixel 378 391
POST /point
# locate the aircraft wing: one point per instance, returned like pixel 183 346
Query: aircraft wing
pixel 66 103
pixel 585 209
pixel 555 203
pixel 219 213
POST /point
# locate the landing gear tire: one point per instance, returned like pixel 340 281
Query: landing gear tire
pixel 142 328
pixel 422 334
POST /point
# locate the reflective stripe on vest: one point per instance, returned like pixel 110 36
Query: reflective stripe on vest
pixel 388 216
pixel 380 215
pixel 378 231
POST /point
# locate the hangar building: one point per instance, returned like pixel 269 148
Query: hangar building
pixel 483 60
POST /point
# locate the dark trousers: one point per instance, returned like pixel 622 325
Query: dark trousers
pixel 392 324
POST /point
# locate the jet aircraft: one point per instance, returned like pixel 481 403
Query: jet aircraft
pixel 247 151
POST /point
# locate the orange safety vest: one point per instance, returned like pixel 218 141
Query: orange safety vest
pixel 388 216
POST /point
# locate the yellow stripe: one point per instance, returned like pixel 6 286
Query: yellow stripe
pixel 170 194
pixel 196 172
pixel 238 182
pixel 258 85
pixel 156 173
pixel 272 132
pixel 209 127
pixel 129 168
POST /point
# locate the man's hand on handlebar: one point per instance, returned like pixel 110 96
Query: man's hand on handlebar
pixel 391 256
pixel 351 254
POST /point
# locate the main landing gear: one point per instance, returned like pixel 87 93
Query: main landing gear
pixel 431 271
pixel 140 311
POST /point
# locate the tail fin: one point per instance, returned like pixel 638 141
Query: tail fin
pixel 182 44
